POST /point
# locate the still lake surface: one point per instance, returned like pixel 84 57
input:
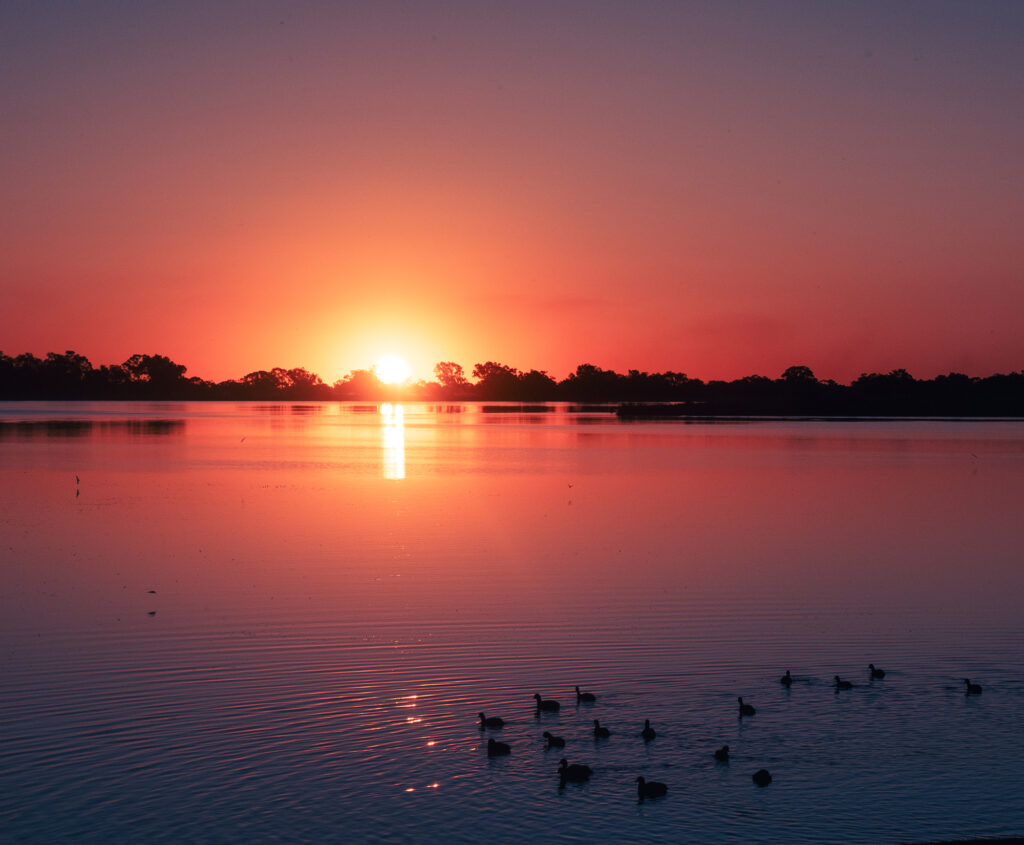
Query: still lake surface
pixel 245 622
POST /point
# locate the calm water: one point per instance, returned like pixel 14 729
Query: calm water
pixel 278 622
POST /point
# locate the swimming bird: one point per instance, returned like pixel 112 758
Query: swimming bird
pixel 497 749
pixel 554 741
pixel 786 679
pixel 649 788
pixel 762 777
pixel 577 772
pixel 599 732
pixel 491 722
pixel 745 709
pixel 648 733
pixel 585 697
pixel 548 705
pixel 722 754
pixel 843 684
pixel 876 672
pixel 972 689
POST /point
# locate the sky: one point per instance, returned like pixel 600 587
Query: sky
pixel 716 188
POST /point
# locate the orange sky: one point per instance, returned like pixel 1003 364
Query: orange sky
pixel 717 188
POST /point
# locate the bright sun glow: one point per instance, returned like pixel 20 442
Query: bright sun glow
pixel 391 369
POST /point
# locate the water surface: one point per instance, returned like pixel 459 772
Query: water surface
pixel 251 622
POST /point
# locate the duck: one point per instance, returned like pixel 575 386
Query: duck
pixel 762 777
pixel 491 722
pixel 786 679
pixel 648 733
pixel 600 732
pixel 585 697
pixel 577 772
pixel 554 741
pixel 876 673
pixel 497 749
pixel 840 684
pixel 649 788
pixel 972 689
pixel 722 754
pixel 745 709
pixel 548 705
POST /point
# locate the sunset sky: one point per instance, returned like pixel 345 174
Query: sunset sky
pixel 719 188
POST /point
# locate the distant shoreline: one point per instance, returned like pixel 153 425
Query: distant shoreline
pixel 797 392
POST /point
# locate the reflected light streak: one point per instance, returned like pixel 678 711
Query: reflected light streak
pixel 393 440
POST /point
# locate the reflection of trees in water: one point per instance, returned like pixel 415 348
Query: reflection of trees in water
pixel 88 428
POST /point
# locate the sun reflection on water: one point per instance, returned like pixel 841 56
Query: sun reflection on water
pixel 393 440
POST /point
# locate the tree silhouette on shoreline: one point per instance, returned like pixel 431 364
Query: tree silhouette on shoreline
pixel 70 376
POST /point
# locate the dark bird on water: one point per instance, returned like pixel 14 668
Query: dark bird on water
pixel 548 705
pixel 762 777
pixel 745 709
pixel 497 749
pixel 585 697
pixel 876 672
pixel 649 788
pixel 491 722
pixel 577 772
pixel 722 754
pixel 840 684
pixel 648 733
pixel 599 732
pixel 554 741
pixel 786 679
pixel 972 689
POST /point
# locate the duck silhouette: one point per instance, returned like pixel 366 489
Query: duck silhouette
pixel 841 684
pixel 762 777
pixel 786 680
pixel 745 709
pixel 576 773
pixel 722 754
pixel 972 689
pixel 648 733
pixel 876 673
pixel 554 741
pixel 548 705
pixel 497 749
pixel 585 697
pixel 600 732
pixel 649 788
pixel 491 722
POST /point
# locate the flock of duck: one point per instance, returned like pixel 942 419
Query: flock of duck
pixel 578 773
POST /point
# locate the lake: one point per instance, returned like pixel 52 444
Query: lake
pixel 252 622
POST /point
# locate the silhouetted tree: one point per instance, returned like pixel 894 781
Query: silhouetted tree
pixel 359 384
pixel 157 370
pixel 496 381
pixel 537 386
pixel 450 374
pixel 592 384
pixel 798 373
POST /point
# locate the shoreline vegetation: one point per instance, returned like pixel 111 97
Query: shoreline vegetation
pixel 69 376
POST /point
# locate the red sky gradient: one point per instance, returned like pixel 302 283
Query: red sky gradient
pixel 717 188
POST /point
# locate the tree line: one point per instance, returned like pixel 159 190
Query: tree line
pixel 70 376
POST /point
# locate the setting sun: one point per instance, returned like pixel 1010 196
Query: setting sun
pixel 391 369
